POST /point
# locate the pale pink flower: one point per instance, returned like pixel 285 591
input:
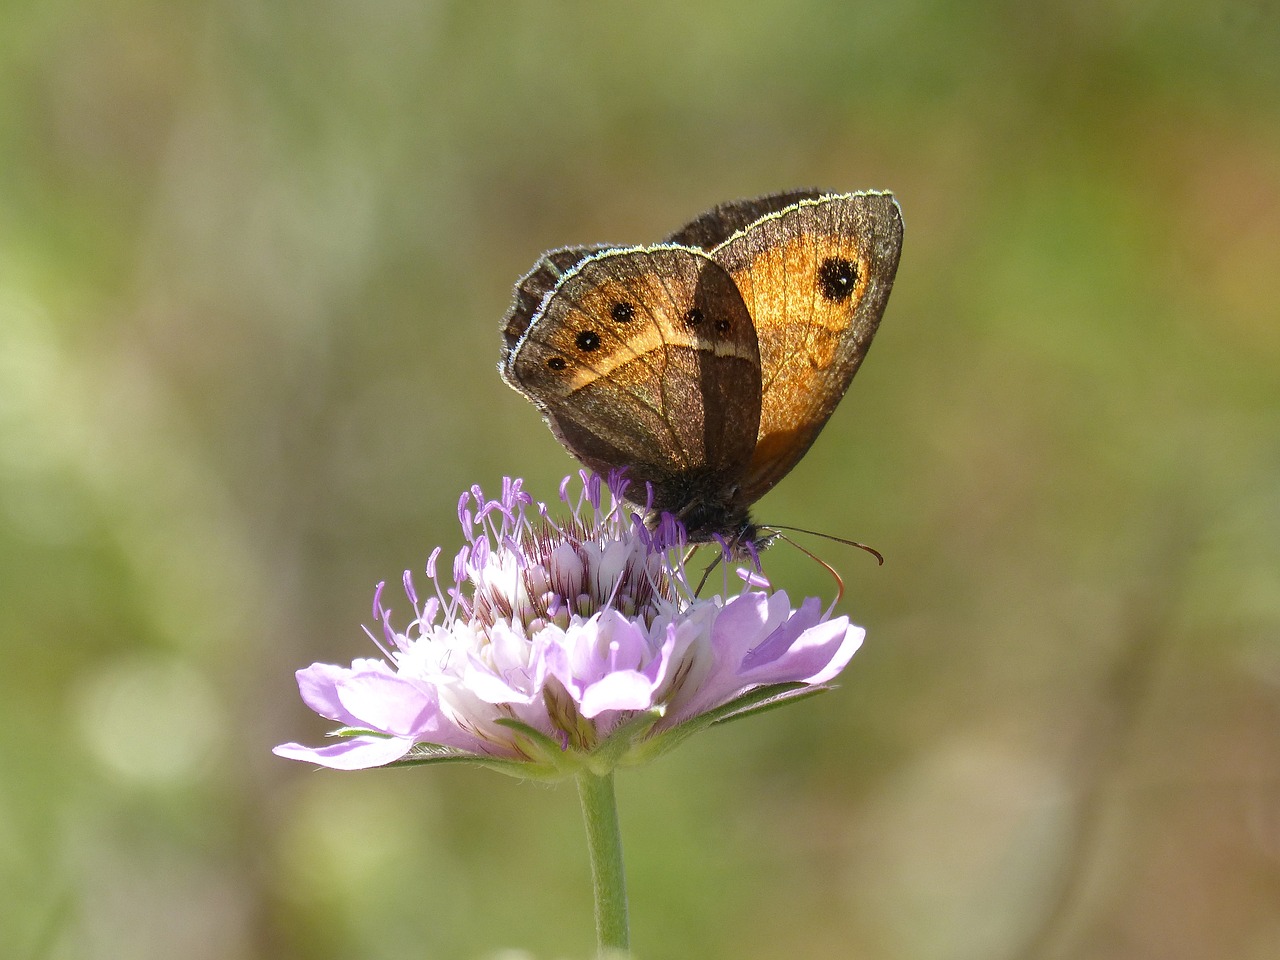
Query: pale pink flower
pixel 549 647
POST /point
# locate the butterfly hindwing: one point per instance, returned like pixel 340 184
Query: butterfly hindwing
pixel 722 221
pixel 815 277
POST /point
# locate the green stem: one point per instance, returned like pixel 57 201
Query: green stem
pixel 604 842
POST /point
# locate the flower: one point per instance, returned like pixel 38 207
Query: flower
pixel 551 648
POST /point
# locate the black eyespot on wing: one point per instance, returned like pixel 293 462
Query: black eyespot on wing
pixel 622 312
pixel 588 340
pixel 693 317
pixel 836 278
pixel 722 325
pixel 557 363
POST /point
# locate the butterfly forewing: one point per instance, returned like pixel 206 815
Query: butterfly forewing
pixel 647 358
pixel 532 289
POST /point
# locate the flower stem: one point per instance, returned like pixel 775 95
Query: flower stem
pixel 604 843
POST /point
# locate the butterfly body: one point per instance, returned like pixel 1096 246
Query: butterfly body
pixel 706 365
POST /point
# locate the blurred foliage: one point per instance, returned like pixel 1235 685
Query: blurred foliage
pixel 252 259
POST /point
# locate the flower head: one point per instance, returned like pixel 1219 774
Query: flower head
pixel 549 647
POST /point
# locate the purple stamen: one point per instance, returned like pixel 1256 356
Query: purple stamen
pixel 592 482
pixel 513 547
pixel 618 483
pixel 641 532
pixel 386 653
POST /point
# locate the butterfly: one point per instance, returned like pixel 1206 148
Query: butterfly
pixel 706 365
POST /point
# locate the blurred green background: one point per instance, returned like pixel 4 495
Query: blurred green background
pixel 252 261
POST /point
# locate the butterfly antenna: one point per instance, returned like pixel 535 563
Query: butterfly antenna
pixel 828 536
pixel 818 560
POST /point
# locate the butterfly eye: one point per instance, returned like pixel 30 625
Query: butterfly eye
pixel 693 317
pixel 836 278
pixel 588 340
pixel 557 363
pixel 622 312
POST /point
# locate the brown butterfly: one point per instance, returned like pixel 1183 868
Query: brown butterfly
pixel 707 365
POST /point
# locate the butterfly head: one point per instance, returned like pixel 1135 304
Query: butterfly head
pixel 711 514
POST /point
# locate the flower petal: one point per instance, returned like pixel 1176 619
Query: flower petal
pixel 318 684
pixel 514 667
pixel 812 655
pixel 390 704
pixel 620 690
pixel 357 753
pixel 778 642
pixel 743 623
